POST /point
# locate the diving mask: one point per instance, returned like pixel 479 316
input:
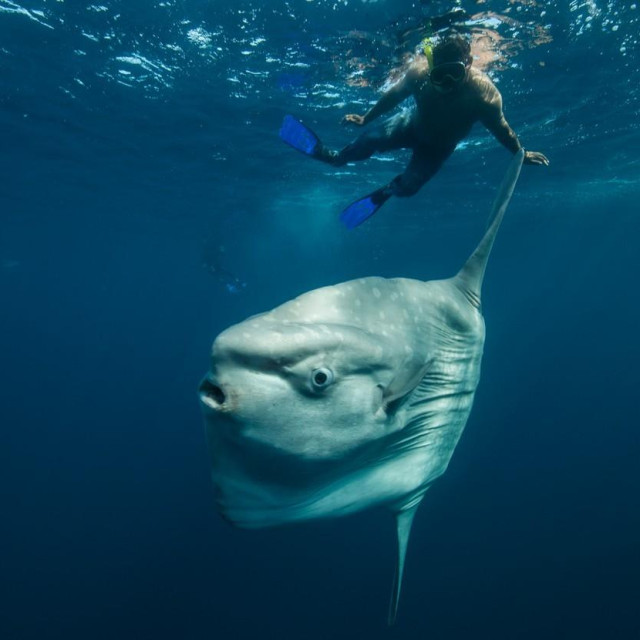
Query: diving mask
pixel 447 75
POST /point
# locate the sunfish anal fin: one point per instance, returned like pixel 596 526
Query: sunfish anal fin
pixel 404 520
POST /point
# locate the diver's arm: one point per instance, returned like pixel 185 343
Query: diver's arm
pixel 389 99
pixel 494 120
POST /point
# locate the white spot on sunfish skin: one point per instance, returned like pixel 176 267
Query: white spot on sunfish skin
pixel 376 292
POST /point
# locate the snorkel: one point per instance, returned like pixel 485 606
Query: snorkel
pixel 427 49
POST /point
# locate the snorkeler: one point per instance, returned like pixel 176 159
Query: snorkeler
pixel 450 96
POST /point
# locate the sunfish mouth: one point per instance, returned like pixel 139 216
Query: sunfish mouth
pixel 211 395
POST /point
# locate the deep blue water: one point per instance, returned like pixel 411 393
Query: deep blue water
pixel 137 137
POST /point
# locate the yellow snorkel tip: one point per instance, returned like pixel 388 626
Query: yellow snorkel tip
pixel 427 49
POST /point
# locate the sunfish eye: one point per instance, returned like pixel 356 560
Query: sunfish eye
pixel 321 378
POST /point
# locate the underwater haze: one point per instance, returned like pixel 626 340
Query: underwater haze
pixel 147 203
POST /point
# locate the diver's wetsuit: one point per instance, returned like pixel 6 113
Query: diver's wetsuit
pixel 397 132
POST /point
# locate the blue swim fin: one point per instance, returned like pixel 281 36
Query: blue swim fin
pixel 357 212
pixel 299 136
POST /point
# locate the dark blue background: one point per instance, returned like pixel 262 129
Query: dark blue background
pixel 108 193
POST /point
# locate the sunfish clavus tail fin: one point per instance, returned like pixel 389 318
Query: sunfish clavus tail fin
pixel 472 273
pixel 404 520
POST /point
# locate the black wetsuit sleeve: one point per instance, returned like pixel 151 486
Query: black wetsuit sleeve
pixel 493 119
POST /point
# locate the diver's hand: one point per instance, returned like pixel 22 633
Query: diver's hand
pixel 535 157
pixel 353 118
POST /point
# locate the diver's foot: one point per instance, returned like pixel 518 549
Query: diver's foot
pixel 325 155
pixel 380 196
pixel 303 139
pixel 357 212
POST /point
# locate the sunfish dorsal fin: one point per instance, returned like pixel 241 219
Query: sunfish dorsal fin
pixel 472 273
pixel 404 520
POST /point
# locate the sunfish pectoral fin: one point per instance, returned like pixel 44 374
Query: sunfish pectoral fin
pixel 404 520
pixel 471 275
pixel 407 379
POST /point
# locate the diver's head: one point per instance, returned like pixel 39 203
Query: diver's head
pixel 451 62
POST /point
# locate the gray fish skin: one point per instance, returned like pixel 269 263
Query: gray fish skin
pixel 283 450
pixel 348 397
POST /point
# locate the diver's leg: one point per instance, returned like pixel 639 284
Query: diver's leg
pixel 388 136
pixel 421 168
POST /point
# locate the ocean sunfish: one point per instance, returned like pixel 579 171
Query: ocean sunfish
pixel 348 397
